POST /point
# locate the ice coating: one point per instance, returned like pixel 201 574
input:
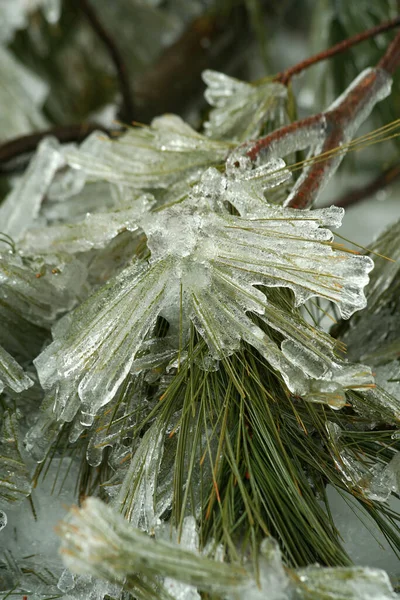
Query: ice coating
pixel 324 132
pixel 15 482
pixel 120 550
pixel 151 157
pixel 94 232
pixel 116 540
pixel 119 316
pixel 376 482
pixel 137 502
pixel 21 207
pixel 349 124
pixel 214 258
pixel 241 109
pixel 189 540
pixel 204 266
pixel 12 375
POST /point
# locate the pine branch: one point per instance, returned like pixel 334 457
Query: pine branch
pixel 335 126
pixel 286 76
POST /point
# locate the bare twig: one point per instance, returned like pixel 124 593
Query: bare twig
pixel 128 113
pixel 27 144
pixel 384 180
pixel 334 127
pixel 342 46
pixel 391 59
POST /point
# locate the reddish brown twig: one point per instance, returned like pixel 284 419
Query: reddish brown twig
pixel 27 144
pixel 287 75
pixel 329 130
pixel 128 113
pixel 391 59
pixel 384 180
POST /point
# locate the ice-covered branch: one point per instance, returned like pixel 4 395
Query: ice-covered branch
pixel 327 131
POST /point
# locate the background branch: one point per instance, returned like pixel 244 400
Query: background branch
pixel 287 75
pixel 333 124
pixel 356 196
pixel 27 144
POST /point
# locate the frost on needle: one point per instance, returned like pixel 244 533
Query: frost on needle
pixel 213 269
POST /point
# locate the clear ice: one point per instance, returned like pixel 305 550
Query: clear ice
pixel 203 268
pixel 241 109
pixel 97 541
pixel 164 222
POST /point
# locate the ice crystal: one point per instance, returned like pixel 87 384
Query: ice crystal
pixel 94 232
pixel 136 499
pixel 375 481
pixel 97 541
pixel 204 266
pixel 12 375
pixel 241 109
pixel 167 229
pixel 22 205
pixel 152 157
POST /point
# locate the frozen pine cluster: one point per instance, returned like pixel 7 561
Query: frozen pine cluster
pixel 129 266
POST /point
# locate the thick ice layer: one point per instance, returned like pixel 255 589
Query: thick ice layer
pixel 137 502
pixel 151 157
pixel 241 109
pixel 97 541
pixel 36 291
pixel 204 266
pixel 96 349
pixel 375 481
pixel 22 205
pixel 96 231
